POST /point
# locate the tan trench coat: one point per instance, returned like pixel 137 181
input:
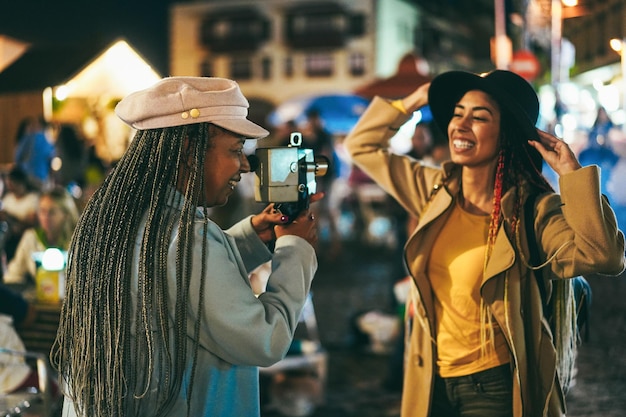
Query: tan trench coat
pixel 578 225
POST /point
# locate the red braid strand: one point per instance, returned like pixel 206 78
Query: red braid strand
pixel 497 201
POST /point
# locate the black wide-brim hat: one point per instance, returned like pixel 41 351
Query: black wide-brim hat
pixel 514 95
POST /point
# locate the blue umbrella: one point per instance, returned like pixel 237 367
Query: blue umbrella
pixel 425 115
pixel 338 112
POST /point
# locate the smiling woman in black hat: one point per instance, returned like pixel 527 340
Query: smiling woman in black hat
pixel 477 343
pixel 160 318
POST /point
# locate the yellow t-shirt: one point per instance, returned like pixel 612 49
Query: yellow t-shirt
pixel 455 270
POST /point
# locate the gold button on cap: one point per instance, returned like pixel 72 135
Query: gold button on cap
pixel 184 115
pixel 194 113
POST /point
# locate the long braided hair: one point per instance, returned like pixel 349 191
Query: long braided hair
pixel 519 164
pixel 518 168
pixel 108 365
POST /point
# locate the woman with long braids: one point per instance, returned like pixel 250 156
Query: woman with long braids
pixel 477 343
pixel 159 317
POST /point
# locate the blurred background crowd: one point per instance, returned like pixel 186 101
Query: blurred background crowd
pixel 56 169
pixel 306 66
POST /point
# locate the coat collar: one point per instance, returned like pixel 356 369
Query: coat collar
pixel 452 178
pixel 449 168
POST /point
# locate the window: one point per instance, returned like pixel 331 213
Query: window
pixel 289 67
pixel 266 68
pixel 206 68
pixel 238 29
pixel 241 68
pixel 356 64
pixel 319 25
pixel 319 65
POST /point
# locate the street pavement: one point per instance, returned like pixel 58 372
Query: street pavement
pixel 360 382
pixel 601 380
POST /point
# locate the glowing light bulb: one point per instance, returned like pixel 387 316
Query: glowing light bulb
pixel 53 260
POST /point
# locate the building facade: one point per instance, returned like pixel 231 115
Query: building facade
pixel 280 49
pixel 597 74
pixel 597 66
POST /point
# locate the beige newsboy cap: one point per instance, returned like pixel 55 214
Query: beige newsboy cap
pixel 177 101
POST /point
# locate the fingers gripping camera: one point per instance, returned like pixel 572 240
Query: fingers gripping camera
pixel 286 175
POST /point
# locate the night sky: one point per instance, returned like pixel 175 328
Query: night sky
pixel 143 23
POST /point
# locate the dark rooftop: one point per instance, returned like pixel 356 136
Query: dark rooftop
pixel 47 65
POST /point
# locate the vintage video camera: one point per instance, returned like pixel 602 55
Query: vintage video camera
pixel 286 175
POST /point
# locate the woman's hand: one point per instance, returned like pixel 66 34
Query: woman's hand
pixel 417 99
pixel 264 222
pixel 267 222
pixel 556 153
pixel 305 226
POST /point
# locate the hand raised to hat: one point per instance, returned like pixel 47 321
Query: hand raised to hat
pixel 417 99
pixel 556 153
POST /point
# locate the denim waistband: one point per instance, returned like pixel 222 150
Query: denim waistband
pixel 499 370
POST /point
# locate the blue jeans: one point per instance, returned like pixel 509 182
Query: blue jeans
pixel 487 393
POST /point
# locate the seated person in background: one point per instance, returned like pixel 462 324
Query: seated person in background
pixel 18 207
pixel 15 374
pixel 13 370
pixel 57 216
